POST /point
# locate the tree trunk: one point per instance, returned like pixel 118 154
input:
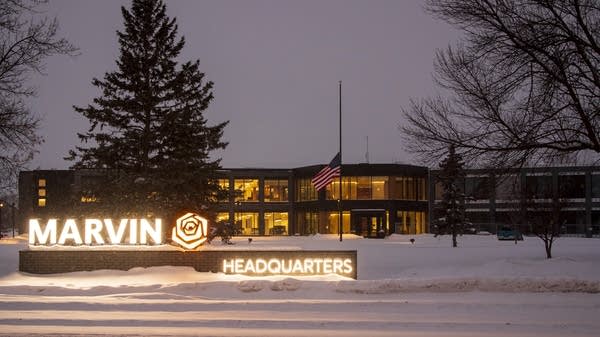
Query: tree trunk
pixel 548 245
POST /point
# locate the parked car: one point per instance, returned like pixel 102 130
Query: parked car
pixel 509 233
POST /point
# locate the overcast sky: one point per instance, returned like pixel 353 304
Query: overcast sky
pixel 276 67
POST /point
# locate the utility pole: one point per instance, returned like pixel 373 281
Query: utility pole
pixel 341 221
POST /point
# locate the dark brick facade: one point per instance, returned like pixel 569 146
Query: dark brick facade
pixel 64 261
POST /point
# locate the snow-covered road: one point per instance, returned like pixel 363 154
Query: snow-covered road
pixel 424 314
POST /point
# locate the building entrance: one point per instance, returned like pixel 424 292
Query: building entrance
pixel 369 223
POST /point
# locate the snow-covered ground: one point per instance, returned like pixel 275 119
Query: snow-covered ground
pixel 485 287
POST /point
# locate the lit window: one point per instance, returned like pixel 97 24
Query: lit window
pixel 247 223
pixel 276 190
pixel 87 199
pixel 222 217
pixel 305 190
pixel 379 189
pixel 224 186
pixel 276 223
pixel 41 193
pixel 409 222
pixel 246 189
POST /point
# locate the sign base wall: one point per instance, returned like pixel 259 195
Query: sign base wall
pixel 64 261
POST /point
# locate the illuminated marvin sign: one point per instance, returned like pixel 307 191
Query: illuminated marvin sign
pixel 123 232
pixel 190 231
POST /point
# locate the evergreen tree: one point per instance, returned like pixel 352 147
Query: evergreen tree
pixel 148 134
pixel 452 207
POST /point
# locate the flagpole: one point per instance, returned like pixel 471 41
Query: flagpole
pixel 340 190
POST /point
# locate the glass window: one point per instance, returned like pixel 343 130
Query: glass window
pixel 276 190
pixel 405 188
pixel 573 217
pixel 247 223
pixel 595 185
pixel 379 188
pixel 359 188
pixel 305 191
pixel 333 222
pixel 353 188
pixel 398 188
pixel 410 189
pixel 477 188
pixel 508 188
pixel 88 199
pixel 596 222
pixel 480 220
pixel 307 222
pixel 224 186
pixel 363 188
pixel 572 186
pixel 507 218
pixel 538 187
pixel 332 191
pixel 222 217
pixel 410 222
pixel 246 190
pixel 439 191
pixel 41 192
pixel 90 184
pixel 421 188
pixel 349 189
pixel 573 221
pixel 537 217
pixel 420 222
pixel 276 223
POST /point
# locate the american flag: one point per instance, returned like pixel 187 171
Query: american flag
pixel 328 173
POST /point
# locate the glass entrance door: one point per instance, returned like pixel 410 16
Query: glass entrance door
pixel 369 223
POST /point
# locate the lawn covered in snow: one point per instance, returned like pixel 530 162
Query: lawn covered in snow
pixel 485 287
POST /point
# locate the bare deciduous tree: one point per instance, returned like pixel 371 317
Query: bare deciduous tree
pixel 546 223
pixel 524 84
pixel 27 37
pixel 539 212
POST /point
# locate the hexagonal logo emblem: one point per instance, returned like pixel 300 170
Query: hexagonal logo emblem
pixel 190 231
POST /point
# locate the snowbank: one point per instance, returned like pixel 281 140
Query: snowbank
pixel 392 265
